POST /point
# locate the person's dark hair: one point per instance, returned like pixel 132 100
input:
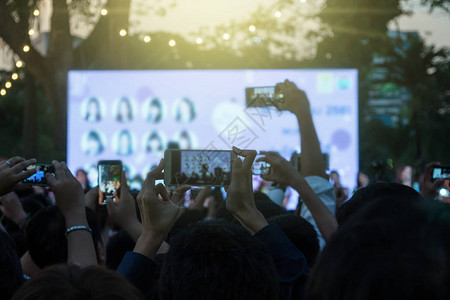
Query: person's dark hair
pixel 10 267
pixel 129 148
pixel 393 249
pixel 263 203
pixel 152 136
pixel 189 102
pixel 217 260
pixel 75 283
pixel 94 101
pixel 45 235
pixel 117 246
pixel 188 218
pixel 301 233
pixel 371 193
pixel 93 135
pixel 126 101
pixel 155 103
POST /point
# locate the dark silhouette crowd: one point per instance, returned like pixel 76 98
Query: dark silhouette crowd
pixel 385 241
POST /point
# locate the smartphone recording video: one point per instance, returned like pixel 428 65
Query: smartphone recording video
pixel 440 173
pixel 39 177
pixel 198 167
pixel 263 96
pixel 109 174
pixel 260 167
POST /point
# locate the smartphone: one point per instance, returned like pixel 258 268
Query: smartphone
pixel 440 173
pixel 198 167
pixel 298 165
pixel 263 96
pixel 109 174
pixel 260 167
pixel 39 177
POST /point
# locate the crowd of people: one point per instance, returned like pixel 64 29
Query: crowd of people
pixel 385 241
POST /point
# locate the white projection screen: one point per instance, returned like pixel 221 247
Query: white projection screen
pixel 133 115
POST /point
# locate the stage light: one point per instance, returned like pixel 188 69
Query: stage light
pixel 30 32
pixel 172 43
pixel 19 64
pixel 3 92
pixel 252 28
pixel 278 14
pixel 14 76
pixel 303 1
pixel 226 36
pixel 147 39
pixel 123 32
pixel 26 48
pixel 8 84
pixel 199 41
pixel 104 12
pixel 36 12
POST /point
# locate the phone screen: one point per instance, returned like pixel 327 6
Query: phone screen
pixel 109 173
pixel 260 167
pixel 263 96
pixel 199 167
pixel 441 173
pixel 39 177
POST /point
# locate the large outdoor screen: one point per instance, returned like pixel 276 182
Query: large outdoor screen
pixel 134 115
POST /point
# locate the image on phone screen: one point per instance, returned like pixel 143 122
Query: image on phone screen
pixel 197 167
pixel 39 177
pixel 260 167
pixel 109 173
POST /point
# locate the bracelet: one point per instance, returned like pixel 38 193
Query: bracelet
pixel 73 228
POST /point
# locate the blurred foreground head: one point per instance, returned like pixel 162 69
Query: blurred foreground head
pixel 217 260
pixel 395 246
pixel 74 283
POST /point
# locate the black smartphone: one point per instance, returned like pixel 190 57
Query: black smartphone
pixel 260 167
pixel 440 173
pixel 109 175
pixel 198 167
pixel 263 96
pixel 39 177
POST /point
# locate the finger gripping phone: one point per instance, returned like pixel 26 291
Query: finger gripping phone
pixel 263 96
pixel 39 177
pixel 109 175
pixel 260 167
pixel 198 167
pixel 440 173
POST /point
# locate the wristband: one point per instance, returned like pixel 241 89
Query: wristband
pixel 73 228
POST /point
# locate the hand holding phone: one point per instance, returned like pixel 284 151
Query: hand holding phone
pixel 440 172
pixel 263 96
pixel 109 180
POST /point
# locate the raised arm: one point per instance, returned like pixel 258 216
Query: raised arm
pixel 69 198
pixel 283 172
pixel 296 101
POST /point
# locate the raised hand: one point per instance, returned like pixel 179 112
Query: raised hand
pixel 158 212
pixel 11 172
pixel 240 201
pixel 123 212
pixel 281 171
pixel 430 187
pixel 294 99
pixel 12 208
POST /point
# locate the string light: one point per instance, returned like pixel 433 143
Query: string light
pixel 252 28
pixel 19 64
pixel 104 12
pixel 3 92
pixel 122 32
pixel 30 32
pixel 172 43
pixel 8 84
pixel 277 14
pixel 14 76
pixel 36 12
pixel 26 48
pixel 147 39
pixel 199 41
pixel 226 36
